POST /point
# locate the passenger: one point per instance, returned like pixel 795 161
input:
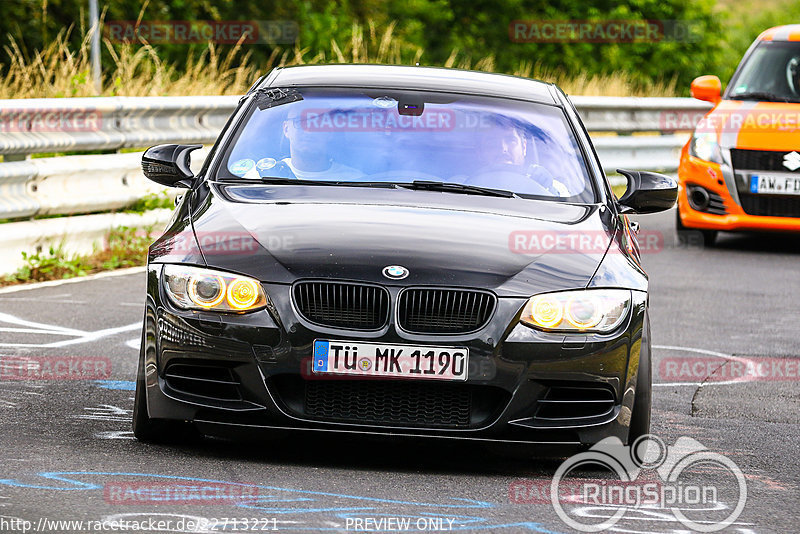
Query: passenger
pixel 310 150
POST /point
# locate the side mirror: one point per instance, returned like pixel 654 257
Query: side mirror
pixel 648 192
pixel 169 164
pixel 707 88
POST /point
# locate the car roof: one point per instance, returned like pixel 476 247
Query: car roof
pixel 413 78
pixel 790 32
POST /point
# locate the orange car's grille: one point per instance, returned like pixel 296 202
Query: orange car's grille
pixel 770 205
pixel 758 160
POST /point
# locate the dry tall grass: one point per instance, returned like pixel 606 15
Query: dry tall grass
pixel 59 70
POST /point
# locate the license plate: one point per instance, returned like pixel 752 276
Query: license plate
pixel 381 359
pixel 775 184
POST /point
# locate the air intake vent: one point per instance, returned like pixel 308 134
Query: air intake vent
pixel 389 403
pixel 770 206
pixel 444 311
pixel 342 304
pixel 205 381
pixel 569 403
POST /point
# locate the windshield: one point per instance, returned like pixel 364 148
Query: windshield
pixel 373 136
pixel 771 72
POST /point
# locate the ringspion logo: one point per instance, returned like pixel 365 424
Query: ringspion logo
pixel 684 489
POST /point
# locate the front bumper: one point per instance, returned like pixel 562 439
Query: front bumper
pixel 252 371
pixel 711 176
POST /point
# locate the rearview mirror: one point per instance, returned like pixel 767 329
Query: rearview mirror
pixel 648 192
pixel 707 88
pixel 169 164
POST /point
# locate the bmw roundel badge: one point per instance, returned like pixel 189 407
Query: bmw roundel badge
pixel 395 272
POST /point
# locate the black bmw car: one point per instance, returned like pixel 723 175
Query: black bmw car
pixel 398 250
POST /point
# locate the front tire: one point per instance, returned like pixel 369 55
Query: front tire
pixel 642 402
pixel 147 429
pixel 684 233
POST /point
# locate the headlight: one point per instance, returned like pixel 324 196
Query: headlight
pixel 589 310
pixel 705 146
pixel 194 288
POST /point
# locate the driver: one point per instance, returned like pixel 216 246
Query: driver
pixel 793 75
pixel 505 155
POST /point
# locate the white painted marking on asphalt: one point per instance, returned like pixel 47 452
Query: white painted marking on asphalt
pixel 115 434
pixel 42 300
pixel 94 336
pixel 10 319
pixel 33 331
pixel 134 343
pixel 730 357
pixel 699 351
pixel 106 412
pixel 647 513
pixel 80 336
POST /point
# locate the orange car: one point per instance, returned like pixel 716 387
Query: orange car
pixel 741 169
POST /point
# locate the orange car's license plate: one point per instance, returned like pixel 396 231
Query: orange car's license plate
pixel 775 184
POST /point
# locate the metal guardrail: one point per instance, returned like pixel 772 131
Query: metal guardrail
pixel 90 183
pixel 37 125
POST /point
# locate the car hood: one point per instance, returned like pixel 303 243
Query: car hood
pixel 512 246
pixel 754 125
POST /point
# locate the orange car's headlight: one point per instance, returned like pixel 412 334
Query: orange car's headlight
pixel 704 145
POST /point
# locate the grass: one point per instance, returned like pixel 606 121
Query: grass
pixel 151 201
pixel 124 247
pixel 61 70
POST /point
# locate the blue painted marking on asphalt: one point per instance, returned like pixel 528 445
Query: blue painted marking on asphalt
pixel 124 385
pixel 467 522
pixel 63 477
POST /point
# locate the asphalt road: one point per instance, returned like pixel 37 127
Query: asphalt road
pixel 67 453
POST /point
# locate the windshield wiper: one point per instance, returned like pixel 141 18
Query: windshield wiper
pixel 298 181
pixel 456 188
pixel 762 95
